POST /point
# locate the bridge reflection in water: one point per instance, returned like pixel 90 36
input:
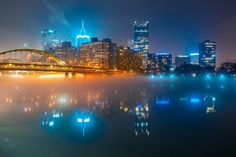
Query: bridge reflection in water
pixel 37 60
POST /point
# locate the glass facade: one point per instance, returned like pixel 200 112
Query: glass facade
pixel 49 40
pixel 207 53
pixel 141 41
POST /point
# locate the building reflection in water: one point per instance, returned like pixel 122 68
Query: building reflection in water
pixel 210 104
pixel 51 119
pixel 82 120
pixel 142 119
pixel 162 100
pixel 133 101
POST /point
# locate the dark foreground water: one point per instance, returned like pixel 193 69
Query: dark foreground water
pixel 117 116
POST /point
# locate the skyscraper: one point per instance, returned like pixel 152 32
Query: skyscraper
pixel 207 53
pixel 49 40
pixel 82 37
pixel 141 41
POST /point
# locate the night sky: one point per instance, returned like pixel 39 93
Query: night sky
pixel 176 26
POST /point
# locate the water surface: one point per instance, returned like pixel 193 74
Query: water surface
pixel 106 116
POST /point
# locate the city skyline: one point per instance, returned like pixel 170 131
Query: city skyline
pixel 171 29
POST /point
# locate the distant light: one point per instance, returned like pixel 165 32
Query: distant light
pixel 194 75
pixel 50 31
pixel 82 36
pixel 208 77
pixel 86 120
pixel 172 69
pixel 222 77
pixel 163 101
pixel 183 56
pixel 79 120
pixel 57 115
pixel 194 54
pixel 163 53
pixel 172 76
pixel 195 100
pixel 139 106
pixel 51 124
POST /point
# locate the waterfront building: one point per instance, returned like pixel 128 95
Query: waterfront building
pixel 194 58
pixel 152 62
pixel 94 54
pixel 112 49
pixel 68 53
pixel 49 40
pixel 141 41
pixel 182 60
pixel 207 53
pixel 164 61
pixel 128 59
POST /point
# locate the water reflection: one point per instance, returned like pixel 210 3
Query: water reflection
pixel 111 110
pixel 141 119
pixel 210 104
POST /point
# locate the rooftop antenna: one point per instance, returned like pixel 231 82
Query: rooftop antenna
pixel 82 29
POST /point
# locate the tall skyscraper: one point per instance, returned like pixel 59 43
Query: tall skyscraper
pixel 82 37
pixel 141 41
pixel 49 40
pixel 94 54
pixel 207 53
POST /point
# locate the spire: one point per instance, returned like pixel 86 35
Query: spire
pixel 82 31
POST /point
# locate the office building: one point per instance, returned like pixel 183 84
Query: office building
pixel 194 58
pixel 207 53
pixel 68 53
pixel 182 60
pixel 112 49
pixel 141 41
pixel 94 54
pixel 152 62
pixel 164 61
pixel 49 40
pixel 127 59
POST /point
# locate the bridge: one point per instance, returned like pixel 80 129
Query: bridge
pixel 37 60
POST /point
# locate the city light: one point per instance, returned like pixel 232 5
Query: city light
pixel 195 100
pixel 162 101
pixel 84 78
